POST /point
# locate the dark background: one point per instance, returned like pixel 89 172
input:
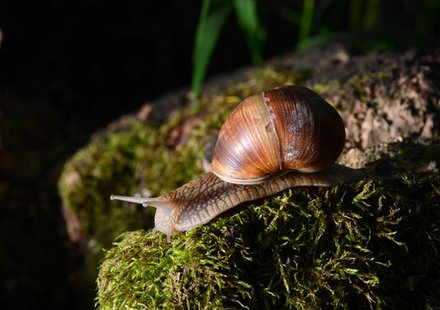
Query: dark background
pixel 69 68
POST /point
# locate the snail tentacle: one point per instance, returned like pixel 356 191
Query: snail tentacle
pixel 156 202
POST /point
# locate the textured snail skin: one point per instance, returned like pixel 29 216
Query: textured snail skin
pixel 201 200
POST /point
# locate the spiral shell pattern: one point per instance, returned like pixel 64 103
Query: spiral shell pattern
pixel 281 129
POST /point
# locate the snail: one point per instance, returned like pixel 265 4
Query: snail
pixel 281 138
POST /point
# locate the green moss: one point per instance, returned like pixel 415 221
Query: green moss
pixel 369 244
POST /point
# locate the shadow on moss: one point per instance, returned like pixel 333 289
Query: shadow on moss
pixel 367 244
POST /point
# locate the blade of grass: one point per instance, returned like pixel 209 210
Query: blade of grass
pixel 306 21
pixel 212 18
pixel 246 11
pixel 371 14
pixel 288 14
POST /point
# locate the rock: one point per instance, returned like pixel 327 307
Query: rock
pixel 389 103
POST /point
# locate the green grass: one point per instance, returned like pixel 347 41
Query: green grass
pixel 213 16
pixel 365 24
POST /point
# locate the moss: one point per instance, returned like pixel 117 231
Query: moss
pixel 369 244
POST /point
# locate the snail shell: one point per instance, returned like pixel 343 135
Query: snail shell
pixel 281 138
pixel 286 128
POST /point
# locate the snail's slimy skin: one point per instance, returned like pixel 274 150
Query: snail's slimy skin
pixel 201 200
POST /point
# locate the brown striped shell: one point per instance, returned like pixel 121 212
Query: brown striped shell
pixel 281 129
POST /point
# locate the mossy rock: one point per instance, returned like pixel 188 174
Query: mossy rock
pixel 369 244
pixel 381 97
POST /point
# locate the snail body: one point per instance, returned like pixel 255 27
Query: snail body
pixel 282 138
pixel 201 200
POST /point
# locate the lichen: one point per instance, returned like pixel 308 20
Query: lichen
pixel 372 244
